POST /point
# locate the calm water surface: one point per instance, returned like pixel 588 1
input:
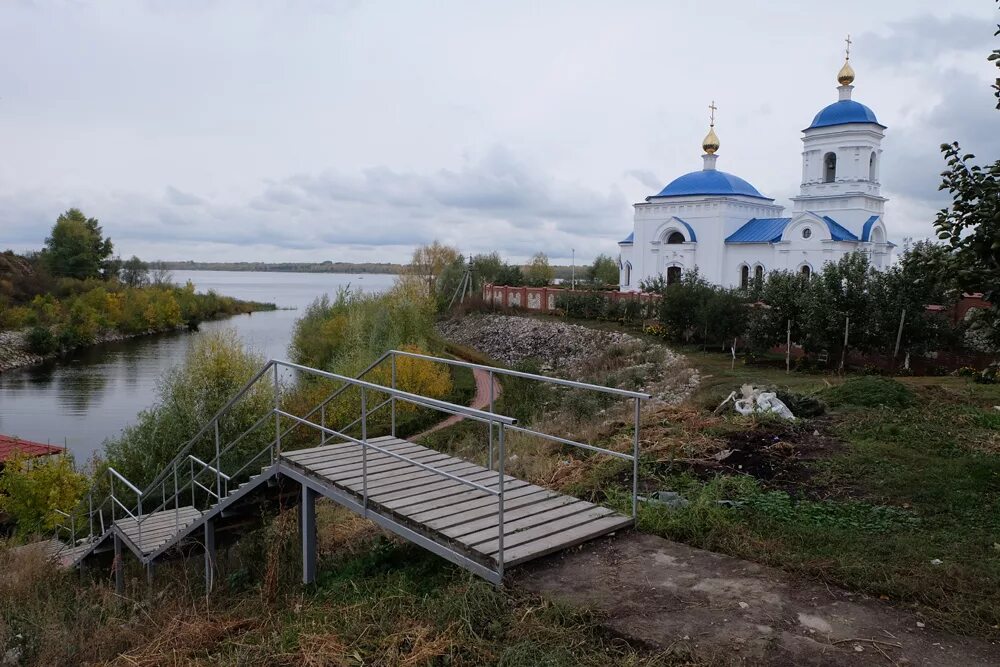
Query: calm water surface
pixel 92 395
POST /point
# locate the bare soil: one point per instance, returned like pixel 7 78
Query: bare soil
pixel 734 612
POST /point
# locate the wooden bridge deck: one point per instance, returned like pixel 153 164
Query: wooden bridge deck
pixel 537 521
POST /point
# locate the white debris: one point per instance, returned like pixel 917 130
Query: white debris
pixel 755 400
pixel 936 561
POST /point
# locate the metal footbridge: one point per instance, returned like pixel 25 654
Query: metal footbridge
pixel 473 514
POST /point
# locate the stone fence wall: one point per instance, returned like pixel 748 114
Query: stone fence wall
pixel 544 298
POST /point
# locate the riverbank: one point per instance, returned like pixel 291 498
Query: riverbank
pixel 15 352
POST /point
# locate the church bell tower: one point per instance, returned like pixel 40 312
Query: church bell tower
pixel 841 157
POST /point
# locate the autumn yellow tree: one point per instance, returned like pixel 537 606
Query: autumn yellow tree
pixel 430 261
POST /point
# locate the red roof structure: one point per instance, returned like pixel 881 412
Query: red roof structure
pixel 10 445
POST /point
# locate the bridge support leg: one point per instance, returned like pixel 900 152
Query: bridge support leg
pixel 210 557
pixel 119 567
pixel 150 571
pixel 307 528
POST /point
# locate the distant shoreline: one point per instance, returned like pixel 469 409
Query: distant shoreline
pixel 283 267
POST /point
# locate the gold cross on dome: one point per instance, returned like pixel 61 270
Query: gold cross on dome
pixel 847 53
pixel 712 109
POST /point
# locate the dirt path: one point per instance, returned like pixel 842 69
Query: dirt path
pixel 480 401
pixel 734 612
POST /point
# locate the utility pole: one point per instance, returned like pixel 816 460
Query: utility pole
pixel 572 283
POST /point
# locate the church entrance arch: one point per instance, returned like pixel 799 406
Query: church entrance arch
pixel 673 275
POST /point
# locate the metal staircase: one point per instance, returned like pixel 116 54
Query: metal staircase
pixel 473 515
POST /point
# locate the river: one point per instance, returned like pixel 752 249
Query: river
pixel 91 395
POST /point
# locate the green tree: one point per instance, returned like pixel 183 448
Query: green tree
pixel 971 225
pixel 538 272
pixel 429 262
pixel 134 272
pixel 34 491
pixel 604 271
pixel 77 248
pixel 841 290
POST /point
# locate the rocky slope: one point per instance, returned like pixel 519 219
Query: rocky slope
pixel 576 352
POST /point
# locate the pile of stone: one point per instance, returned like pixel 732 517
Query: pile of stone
pixel 511 340
pixel 14 351
pixel 570 350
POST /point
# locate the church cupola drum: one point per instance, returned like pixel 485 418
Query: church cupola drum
pixel 722 225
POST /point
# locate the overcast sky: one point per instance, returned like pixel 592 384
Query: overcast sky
pixel 305 130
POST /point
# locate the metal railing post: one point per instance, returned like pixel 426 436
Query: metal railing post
pixel 635 463
pixel 322 422
pixel 138 523
pixel 392 402
pixel 277 417
pixel 177 509
pixel 364 447
pixel 112 485
pixel 90 513
pixel 218 464
pixel 489 464
pixel 193 500
pixel 500 525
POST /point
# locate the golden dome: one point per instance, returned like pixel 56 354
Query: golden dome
pixel 711 141
pixel 846 74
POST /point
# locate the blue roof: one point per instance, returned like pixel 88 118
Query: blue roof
pixel 842 113
pixel 708 182
pixel 760 230
pixel 628 239
pixel 838 231
pixel 691 235
pixel 866 231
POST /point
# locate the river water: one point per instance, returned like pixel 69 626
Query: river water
pixel 90 396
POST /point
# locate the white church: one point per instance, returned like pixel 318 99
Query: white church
pixel 723 226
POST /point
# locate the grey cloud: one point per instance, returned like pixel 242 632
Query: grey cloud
pixel 913 41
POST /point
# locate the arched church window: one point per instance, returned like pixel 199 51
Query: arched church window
pixel 878 236
pixel 806 271
pixel 673 275
pixel 758 273
pixel 744 276
pixel 871 167
pixel 830 168
pixel 675 237
pixel 628 274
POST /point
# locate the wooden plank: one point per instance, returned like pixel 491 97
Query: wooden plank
pixel 447 487
pixel 471 500
pixel 490 546
pixel 514 527
pixel 357 455
pixel 339 452
pixel 565 540
pixel 350 452
pixel 402 478
pixel 461 524
pixel 377 462
pixel 445 497
pixel 309 450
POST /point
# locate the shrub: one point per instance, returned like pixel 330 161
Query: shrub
pixel 41 340
pixel 31 490
pixel 870 391
pixel 189 395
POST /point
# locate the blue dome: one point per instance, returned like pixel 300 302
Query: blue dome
pixel 843 112
pixel 709 182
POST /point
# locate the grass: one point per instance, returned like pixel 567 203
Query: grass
pixel 906 507
pixel 376 602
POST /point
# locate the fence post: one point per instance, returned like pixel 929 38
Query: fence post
pixel 218 464
pixel 788 349
pixel 277 417
pixel 392 399
pixel 364 447
pixel 843 354
pixel 635 462
pixel 490 452
pixel 899 334
pixel 500 525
